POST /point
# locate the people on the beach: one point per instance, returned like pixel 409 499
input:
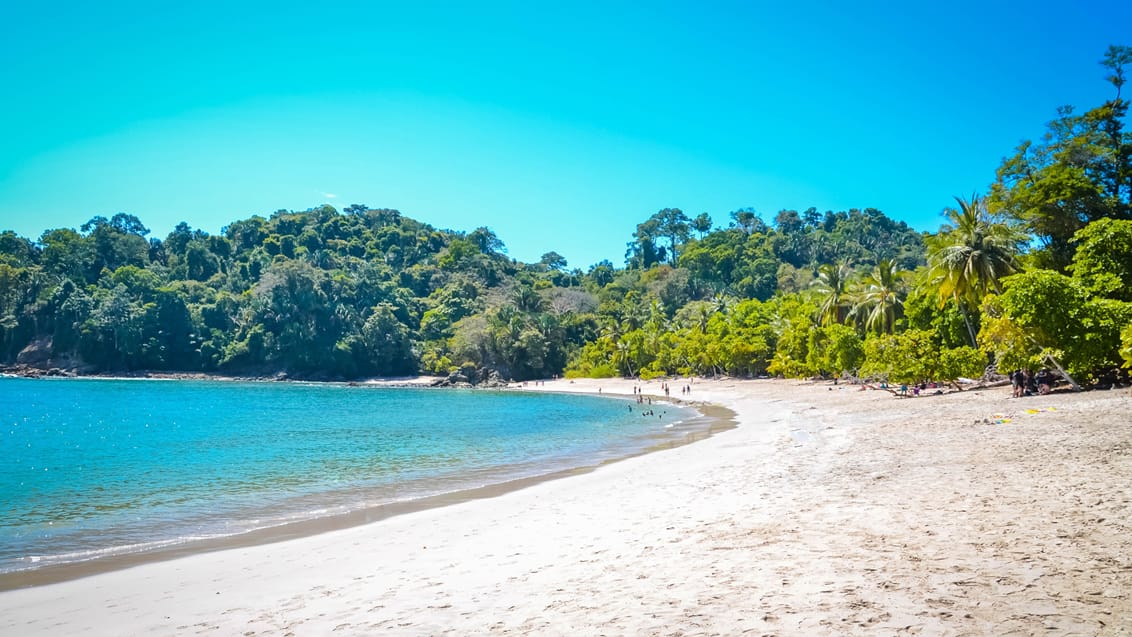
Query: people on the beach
pixel 1044 379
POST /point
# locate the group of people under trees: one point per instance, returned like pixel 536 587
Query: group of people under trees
pixel 1027 383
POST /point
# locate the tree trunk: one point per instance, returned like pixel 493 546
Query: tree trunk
pixel 967 322
pixel 1064 373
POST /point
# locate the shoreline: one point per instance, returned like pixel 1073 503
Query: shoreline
pixel 281 377
pixel 707 421
pixel 414 381
pixel 827 511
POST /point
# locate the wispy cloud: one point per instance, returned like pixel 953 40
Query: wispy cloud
pixel 329 195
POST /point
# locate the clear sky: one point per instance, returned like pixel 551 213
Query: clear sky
pixel 558 125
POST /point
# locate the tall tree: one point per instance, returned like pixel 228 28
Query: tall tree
pixel 833 284
pixel 1115 58
pixel 486 240
pixel 553 261
pixel 675 226
pixel 747 220
pixel 879 298
pixel 969 256
pixel 643 251
pixel 1081 171
pixel 701 224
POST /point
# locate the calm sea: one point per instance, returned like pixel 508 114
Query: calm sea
pixel 96 468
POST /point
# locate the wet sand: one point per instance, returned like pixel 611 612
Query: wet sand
pixel 828 511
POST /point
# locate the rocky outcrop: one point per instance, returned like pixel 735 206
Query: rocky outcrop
pixel 36 354
pixel 40 359
pixel 482 378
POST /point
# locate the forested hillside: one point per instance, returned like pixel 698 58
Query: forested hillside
pixel 1036 271
pixel 363 292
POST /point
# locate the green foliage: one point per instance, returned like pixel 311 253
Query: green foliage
pixel 1044 313
pixel 16 250
pixel 909 357
pixel 1126 346
pixel 879 298
pixel 832 284
pixel 960 362
pixel 792 352
pixel 922 310
pixel 915 356
pixel 969 256
pixel 647 248
pixel 1079 173
pixel 1103 261
pixel 834 349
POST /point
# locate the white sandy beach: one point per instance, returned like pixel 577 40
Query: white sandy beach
pixel 828 511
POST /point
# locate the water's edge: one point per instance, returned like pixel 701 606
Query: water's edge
pixel 714 419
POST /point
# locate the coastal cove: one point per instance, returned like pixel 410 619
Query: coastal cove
pixel 828 510
pixel 104 474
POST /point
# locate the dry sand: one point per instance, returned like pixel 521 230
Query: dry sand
pixel 828 511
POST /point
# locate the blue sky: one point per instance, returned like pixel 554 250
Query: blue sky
pixel 559 126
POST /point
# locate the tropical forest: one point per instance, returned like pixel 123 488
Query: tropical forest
pixel 1032 271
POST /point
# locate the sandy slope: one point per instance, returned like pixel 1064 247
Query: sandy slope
pixel 829 511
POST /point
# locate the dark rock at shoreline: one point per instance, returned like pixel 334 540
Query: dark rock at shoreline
pixel 39 359
pixel 36 354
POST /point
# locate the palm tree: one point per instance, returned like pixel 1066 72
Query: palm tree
pixel 527 299
pixel 722 302
pixel 623 356
pixel 879 298
pixel 610 328
pixel 833 284
pixel 703 316
pixel 632 318
pixel 969 256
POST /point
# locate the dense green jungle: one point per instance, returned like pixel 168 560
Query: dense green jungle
pixel 1036 271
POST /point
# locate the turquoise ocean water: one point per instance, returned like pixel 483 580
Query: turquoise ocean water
pixel 95 468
